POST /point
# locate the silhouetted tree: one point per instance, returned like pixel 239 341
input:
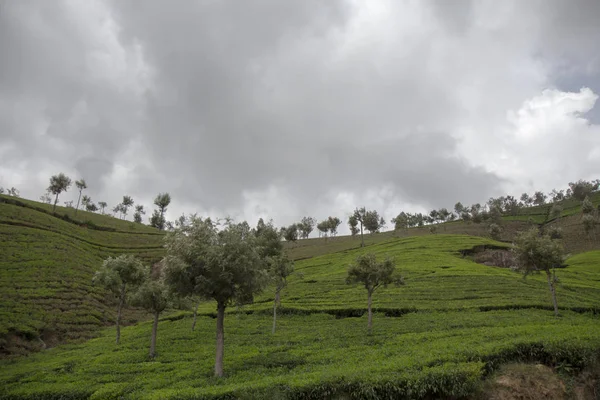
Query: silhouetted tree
pixel 58 184
pixel 333 223
pixel 162 201
pixel 139 211
pixel 306 226
pixel 81 185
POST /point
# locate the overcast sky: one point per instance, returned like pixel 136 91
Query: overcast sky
pixel 282 109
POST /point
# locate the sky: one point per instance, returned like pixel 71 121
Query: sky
pixel 284 109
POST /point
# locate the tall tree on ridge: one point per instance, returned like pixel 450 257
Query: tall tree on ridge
pixel 81 185
pixel 58 184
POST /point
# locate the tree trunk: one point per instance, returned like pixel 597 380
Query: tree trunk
pixel 220 340
pixel 120 307
pixel 55 201
pixel 553 291
pixel 153 339
pixel 370 312
pixel 195 317
pixel 275 303
pixel 362 240
pixel 78 199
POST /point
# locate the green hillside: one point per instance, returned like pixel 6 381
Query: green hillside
pixel 46 264
pixel 452 323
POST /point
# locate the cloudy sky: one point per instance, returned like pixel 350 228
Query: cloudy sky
pixel 301 107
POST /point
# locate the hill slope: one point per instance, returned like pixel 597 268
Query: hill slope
pixel 454 321
pixel 47 261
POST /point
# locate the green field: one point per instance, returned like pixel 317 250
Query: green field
pixel 46 267
pixel 539 214
pixel 451 323
pixel 438 336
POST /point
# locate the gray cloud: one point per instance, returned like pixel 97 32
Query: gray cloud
pixel 220 101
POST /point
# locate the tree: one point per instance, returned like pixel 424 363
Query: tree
pixel 353 224
pixel 323 227
pixel 557 195
pixel 13 191
pixel 495 230
pixel 91 207
pixel 459 208
pixel 86 200
pixel 589 225
pixel 80 185
pixel 162 201
pixel 536 253
pixel 400 221
pixel 587 207
pixel 126 203
pixel 306 226
pixel 556 211
pixel 371 221
pixel 102 205
pixel 373 275
pixel 153 296
pixel 157 221
pixel 45 198
pixel 539 198
pixel 333 223
pixel 280 269
pixel 290 233
pixel 58 184
pixel 526 199
pixel 116 275
pixel 581 189
pixel 1 190
pixel 360 215
pixel 139 211
pixel 224 266
pixel 69 204
pixel 121 210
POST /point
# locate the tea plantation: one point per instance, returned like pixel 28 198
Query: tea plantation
pixel 452 323
pixel 46 265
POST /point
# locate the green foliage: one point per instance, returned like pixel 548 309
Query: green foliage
pixel 495 231
pixel 332 224
pixel 537 252
pixel 290 233
pixel 323 227
pixel 306 226
pixel 353 224
pixel 587 207
pixel 222 265
pixel 372 273
pixel 117 272
pixel 47 263
pixel 582 189
pixel 372 221
pixel 401 221
pixel 152 295
pixel 589 223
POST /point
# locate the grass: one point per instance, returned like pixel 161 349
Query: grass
pixel 46 267
pixel 540 214
pixel 454 322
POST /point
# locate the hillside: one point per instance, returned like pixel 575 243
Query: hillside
pixel 46 264
pixel 48 258
pixel 452 323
